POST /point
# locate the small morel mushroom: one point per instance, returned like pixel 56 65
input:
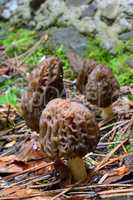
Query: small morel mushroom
pixel 100 87
pixel 44 83
pixel 69 130
pixel 96 82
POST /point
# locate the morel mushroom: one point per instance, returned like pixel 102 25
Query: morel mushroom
pixel 100 87
pixel 96 82
pixel 44 83
pixel 69 130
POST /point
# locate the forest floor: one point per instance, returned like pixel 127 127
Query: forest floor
pixel 25 172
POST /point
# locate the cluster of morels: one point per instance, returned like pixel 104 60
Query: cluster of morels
pixel 67 128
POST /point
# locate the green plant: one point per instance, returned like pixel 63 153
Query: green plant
pixel 36 56
pixel 129 148
pixel 117 138
pixel 120 137
pixel 18 41
pixel 10 97
pixel 115 61
pixel 61 53
pixel 4 82
pixel 130 97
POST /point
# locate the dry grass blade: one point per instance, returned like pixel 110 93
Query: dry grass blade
pixel 116 193
pixel 5 132
pixel 66 190
pixel 22 197
pixel 114 129
pixel 125 195
pixel 111 125
pixel 108 156
pixel 60 194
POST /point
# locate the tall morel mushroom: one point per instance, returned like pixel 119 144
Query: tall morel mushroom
pixel 96 82
pixel 44 83
pixel 69 130
pixel 100 88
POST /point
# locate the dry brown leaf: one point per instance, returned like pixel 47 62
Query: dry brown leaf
pixel 116 174
pixel 8 164
pixel 30 150
pixel 7 158
pixel 18 192
pixel 121 171
pixel 6 168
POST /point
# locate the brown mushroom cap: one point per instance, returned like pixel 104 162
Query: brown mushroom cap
pixel 67 129
pixel 78 63
pixel 44 83
pixel 99 85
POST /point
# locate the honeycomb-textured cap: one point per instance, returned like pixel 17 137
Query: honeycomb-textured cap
pixel 67 129
pixel 99 85
pixel 44 83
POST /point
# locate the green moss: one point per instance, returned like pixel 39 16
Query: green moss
pixel 116 60
pixel 18 41
pixel 37 55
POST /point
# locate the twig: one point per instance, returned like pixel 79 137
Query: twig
pixel 60 194
pixel 116 195
pixel 65 190
pixel 13 136
pixel 117 142
pixel 22 197
pixel 110 125
pixel 103 178
pixel 108 156
pixel 115 128
pixel 117 191
pixel 32 169
pixel 5 132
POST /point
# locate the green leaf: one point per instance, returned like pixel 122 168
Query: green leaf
pixel 130 97
pixel 9 98
pixel 4 82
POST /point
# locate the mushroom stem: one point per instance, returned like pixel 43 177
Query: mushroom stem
pixel 107 112
pixel 77 168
